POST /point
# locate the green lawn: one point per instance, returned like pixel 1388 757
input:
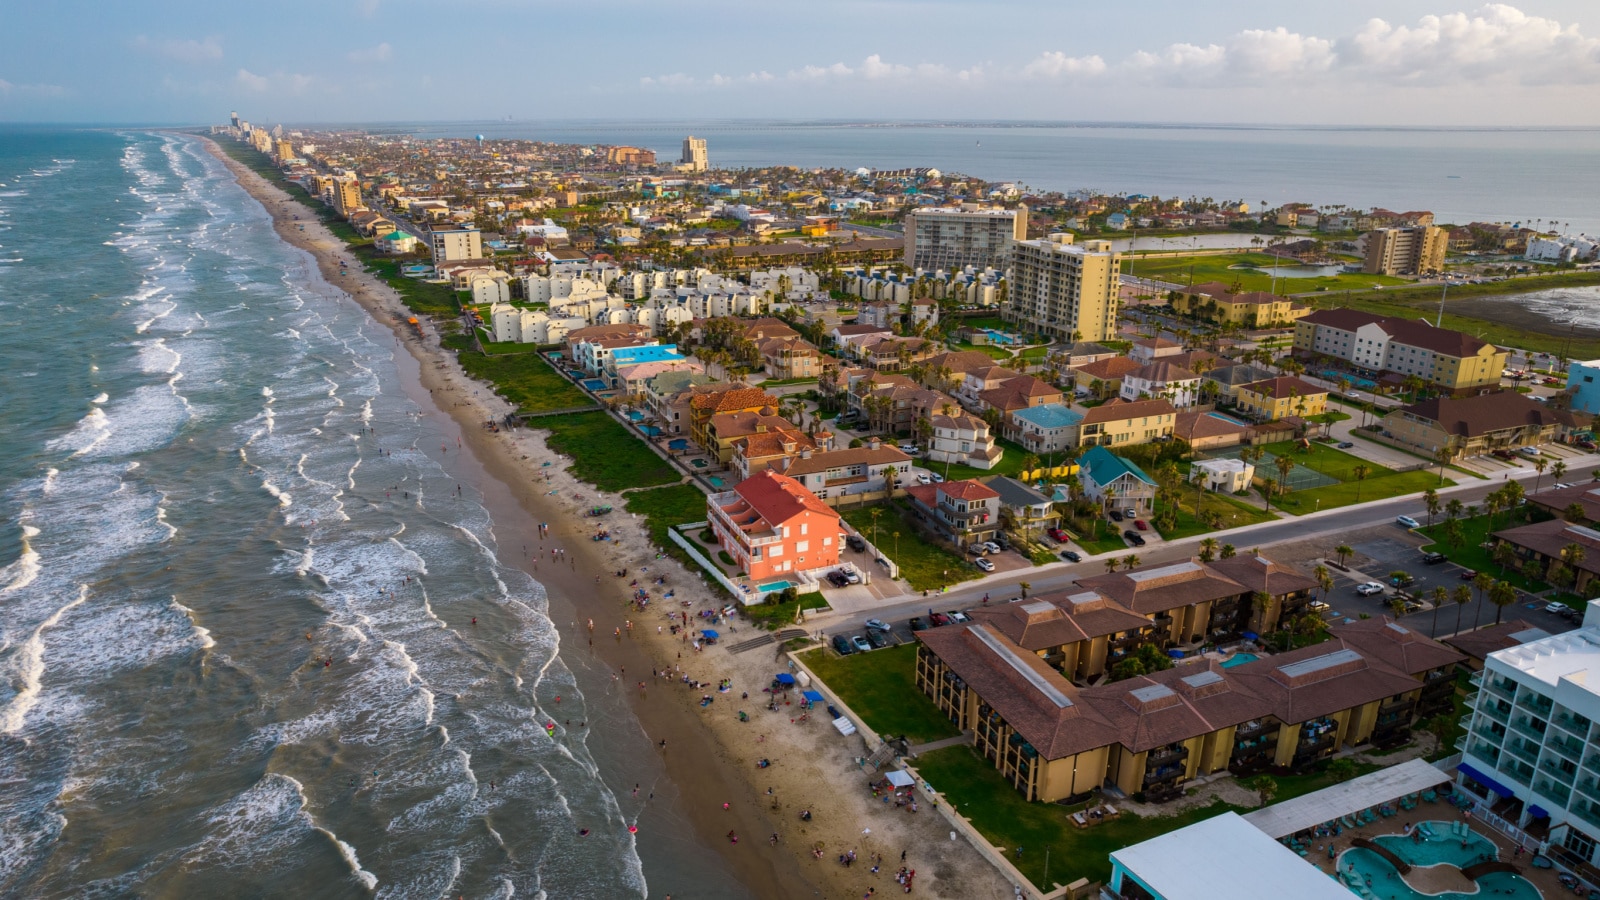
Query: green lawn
pixel 604 453
pixel 1379 484
pixel 1235 514
pixel 881 687
pixel 525 379
pixel 1180 269
pixel 773 616
pixel 1010 463
pixel 1034 353
pixel 664 507
pixel 922 564
pixel 988 350
pixel 420 296
pixel 1471 554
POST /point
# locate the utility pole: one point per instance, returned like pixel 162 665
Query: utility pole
pixel 1443 289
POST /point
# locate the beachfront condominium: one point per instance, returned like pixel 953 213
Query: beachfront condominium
pixel 1372 345
pixel 451 243
pixel 1531 753
pixel 953 237
pixel 347 196
pixel 694 154
pixel 1064 290
pixel 1406 251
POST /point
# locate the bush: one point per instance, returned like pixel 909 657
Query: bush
pixel 726 559
pixel 706 537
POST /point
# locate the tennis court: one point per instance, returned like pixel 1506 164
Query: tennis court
pixel 1300 477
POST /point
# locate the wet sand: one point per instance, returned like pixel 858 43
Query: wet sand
pixel 710 756
pixel 1506 310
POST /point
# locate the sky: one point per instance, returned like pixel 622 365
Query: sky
pixel 1351 62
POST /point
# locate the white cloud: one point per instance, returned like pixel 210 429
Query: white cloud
pixel 13 89
pixel 380 53
pixel 285 82
pixel 251 81
pixel 205 50
pixel 1495 44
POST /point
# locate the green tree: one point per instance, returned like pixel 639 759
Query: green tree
pixel 1574 512
pixel 1482 583
pixel 1227 552
pixel 1360 473
pixel 1442 456
pixel 1344 552
pixel 1431 498
pixel 1502 595
pixel 1540 464
pixel 1341 769
pixel 1208 549
pixel 1265 786
pixel 1440 596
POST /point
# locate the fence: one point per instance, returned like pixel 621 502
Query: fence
pixel 677 533
pixel 1301 478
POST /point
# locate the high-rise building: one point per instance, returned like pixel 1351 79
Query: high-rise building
pixel 1406 251
pixel 234 117
pixel 451 243
pixel 630 156
pixel 347 196
pixel 951 238
pixel 694 154
pixel 283 151
pixel 1065 290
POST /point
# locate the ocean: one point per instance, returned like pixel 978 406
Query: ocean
pixel 236 654
pixel 1534 176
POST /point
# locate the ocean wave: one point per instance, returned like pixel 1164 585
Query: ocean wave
pixel 25 569
pixel 202 633
pixel 27 668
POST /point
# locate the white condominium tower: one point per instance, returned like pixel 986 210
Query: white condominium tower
pixel 694 154
pixel 951 238
pixel 1065 290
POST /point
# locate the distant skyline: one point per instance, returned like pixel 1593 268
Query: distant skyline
pixel 1401 62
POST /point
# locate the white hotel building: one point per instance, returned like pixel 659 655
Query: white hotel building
pixel 1532 748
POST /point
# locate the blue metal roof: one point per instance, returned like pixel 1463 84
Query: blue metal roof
pixel 1104 467
pixel 1050 415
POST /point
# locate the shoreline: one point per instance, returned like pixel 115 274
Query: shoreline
pixel 710 760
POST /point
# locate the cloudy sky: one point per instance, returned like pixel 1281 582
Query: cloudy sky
pixel 1400 62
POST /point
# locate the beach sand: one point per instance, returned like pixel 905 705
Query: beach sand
pixel 710 756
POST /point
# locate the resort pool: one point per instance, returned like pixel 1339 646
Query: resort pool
pixel 1365 384
pixel 635 416
pixel 1360 868
pixel 1229 419
pixel 1000 337
pixel 594 384
pixel 771 586
pixel 1239 659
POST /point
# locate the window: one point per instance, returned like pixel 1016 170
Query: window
pixel 1580 844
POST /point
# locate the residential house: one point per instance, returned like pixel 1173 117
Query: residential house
pixel 1222 383
pixel 1474 425
pixel 1024 511
pixel 667 396
pixel 1281 397
pixel 948 371
pixel 1204 430
pixel 1148 350
pixel 1222 475
pixel 962 438
pixel 1024 392
pixel 1119 423
pixel 710 401
pixel 837 475
pixel 725 430
pixel 962 512
pixel 1376 346
pixel 634 380
pixel 1115 482
pixel 841 335
pixel 754 453
pixel 1162 379
pixel 773 527
pixel 1072 354
pixel 791 357
pixel 1048 428
pixel 983 379
pixel 1103 378
pixel 1557 501
pixel 892 354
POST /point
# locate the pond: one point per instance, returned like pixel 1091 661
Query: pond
pixel 1293 271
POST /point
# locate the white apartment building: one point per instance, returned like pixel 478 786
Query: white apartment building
pixel 694 154
pixel 963 439
pixel 1532 749
pixel 1067 291
pixel 452 243
pixel 952 238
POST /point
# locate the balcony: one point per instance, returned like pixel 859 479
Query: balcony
pixel 1255 728
pixel 1162 775
pixel 1537 704
pixel 1166 756
pixel 1523 750
pixel 1496 709
pixel 1574 724
pixel 1501 687
pixel 1126 639
pixel 1531 728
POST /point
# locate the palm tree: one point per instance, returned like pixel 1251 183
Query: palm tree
pixel 1284 466
pixel 1111 565
pixel 1481 583
pixel 1024 586
pixel 1360 473
pixel 1131 561
pixel 1440 595
pixel 1454 509
pixel 1539 464
pixel 1573 554
pixel 1574 512
pixel 1343 551
pixel 1502 595
pixel 1029 463
pixel 1462 596
pixel 1268 486
pixel 1227 552
pixel 1324 580
pixel 874 514
pixel 1442 456
pixel 1559 469
pixel 1208 549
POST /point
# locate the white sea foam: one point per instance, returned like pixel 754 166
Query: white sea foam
pixel 100 397
pixel 27 668
pixel 91 431
pixel 25 569
pixel 204 634
pixel 284 500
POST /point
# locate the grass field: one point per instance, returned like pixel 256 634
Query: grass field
pixel 988 350
pixel 1234 512
pixel 1181 269
pixel 922 564
pixel 1475 531
pixel 1379 484
pixel 1010 463
pixel 604 453
pixel 664 507
pixel 776 615
pixel 881 687
pixel 526 380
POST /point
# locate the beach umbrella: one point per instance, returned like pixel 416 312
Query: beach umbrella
pixel 784 678
pixel 710 634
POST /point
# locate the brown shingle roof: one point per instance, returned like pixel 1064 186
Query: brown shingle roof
pixel 1396 645
pixel 1483 413
pixel 1283 386
pixel 1149 590
pixel 1057 618
pixel 1192 426
pixel 822 462
pixel 1107 369
pixel 1481 642
pixel 1118 409
pixel 1412 332
pixel 1164 371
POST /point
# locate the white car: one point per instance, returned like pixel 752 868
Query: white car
pixel 984 564
pixel 1530 452
pixel 1407 522
pixel 1368 589
pixel 924 478
pixel 991 546
pixel 1316 606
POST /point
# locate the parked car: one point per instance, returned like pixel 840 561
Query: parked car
pixel 937 478
pixel 984 564
pixel 1368 589
pixel 1554 607
pixel 1504 454
pixel 938 620
pixel 957 617
pixel 916 624
pixel 1354 395
pixel 1072 556
pixel 883 562
pixel 1057 535
pixel 1587 445
pixel 1116 515
pixel 1407 522
pixel 1467 574
pixel 855 542
pixel 1141 524
pixel 1133 538
pixel 1131 513
pixel 1346 445
pixel 992 547
pixel 1432 559
pixel 877 639
pixel 861 644
pixel 1317 606
pixel 924 478
pixel 877 625
pixel 842 645
pixel 851 575
pixel 1529 452
pixel 837 579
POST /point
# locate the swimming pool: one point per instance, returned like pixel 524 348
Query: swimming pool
pixel 678 444
pixel 1229 419
pixel 1000 337
pixel 1365 384
pixel 715 481
pixel 1239 659
pixel 1364 868
pixel 594 384
pixel 771 586
pixel 635 416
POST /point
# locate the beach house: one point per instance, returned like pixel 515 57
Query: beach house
pixel 774 528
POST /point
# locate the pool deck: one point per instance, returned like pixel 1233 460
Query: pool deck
pixel 1437 879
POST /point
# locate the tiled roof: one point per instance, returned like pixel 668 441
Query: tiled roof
pixel 1057 618
pixel 1163 372
pixel 779 498
pixel 1050 415
pixel 1397 645
pixel 1412 332
pixel 1481 642
pixel 1117 410
pixel 736 399
pixel 1483 413
pixel 967 490
pixel 1155 589
pixel 1107 369
pixel 1191 426
pixel 1283 386
pixel 854 456
pixel 961 362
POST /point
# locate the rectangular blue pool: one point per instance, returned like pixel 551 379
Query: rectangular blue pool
pixel 771 586
pixel 594 384
pixel 1229 419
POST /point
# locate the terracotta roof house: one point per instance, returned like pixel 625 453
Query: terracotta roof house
pixel 1108 372
pixel 1282 396
pixel 1203 431
pixel 772 526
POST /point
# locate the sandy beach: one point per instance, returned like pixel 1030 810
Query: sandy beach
pixel 709 758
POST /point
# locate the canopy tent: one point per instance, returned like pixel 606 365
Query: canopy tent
pixel 1311 810
pixel 813 696
pixel 783 678
pixel 899 779
pixel 710 634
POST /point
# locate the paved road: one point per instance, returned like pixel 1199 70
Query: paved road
pixel 1332 525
